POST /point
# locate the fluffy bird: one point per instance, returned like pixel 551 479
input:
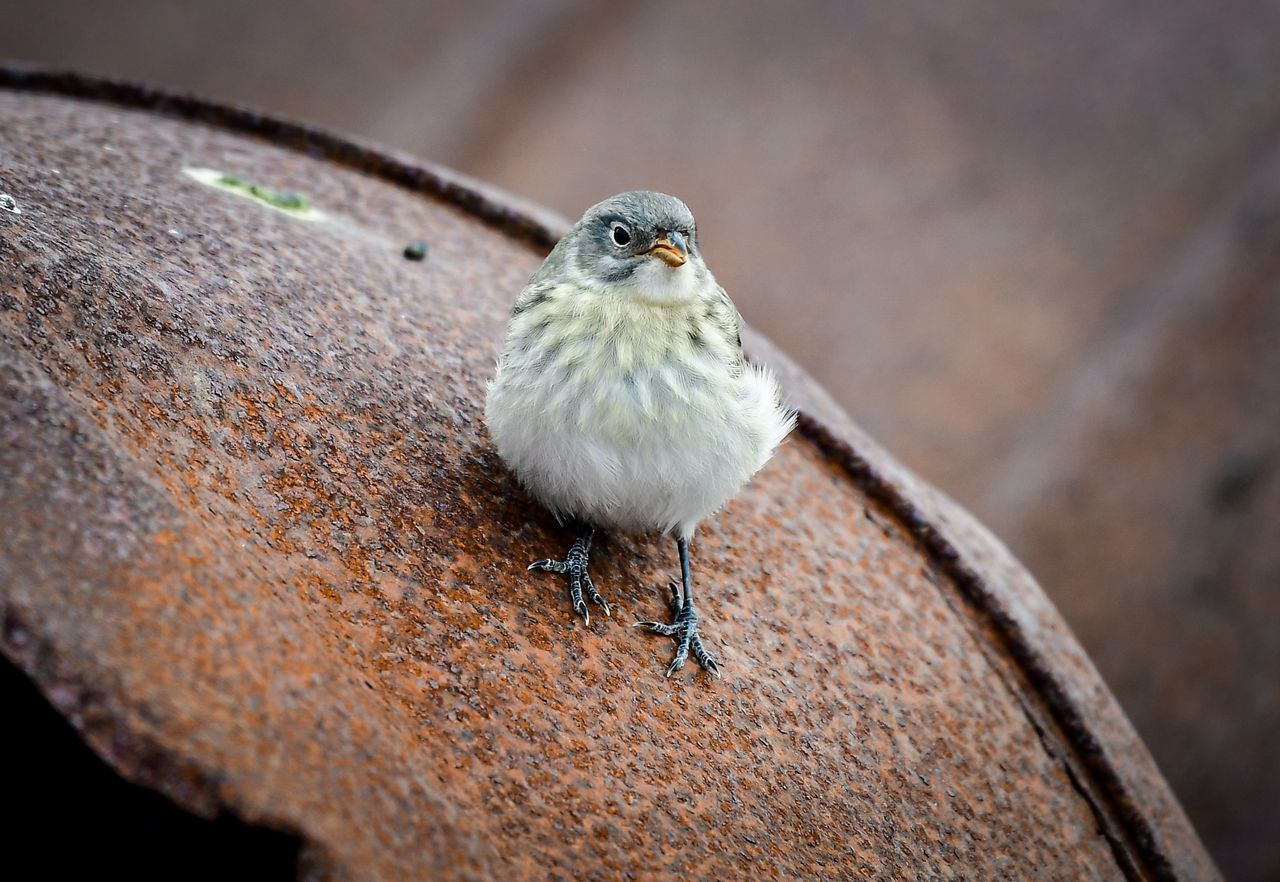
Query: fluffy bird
pixel 622 400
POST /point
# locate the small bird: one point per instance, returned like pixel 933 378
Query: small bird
pixel 622 400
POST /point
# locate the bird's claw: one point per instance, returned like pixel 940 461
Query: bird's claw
pixel 657 628
pixel 684 631
pixel 581 588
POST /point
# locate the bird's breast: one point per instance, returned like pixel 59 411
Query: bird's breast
pixel 630 419
pixel 622 384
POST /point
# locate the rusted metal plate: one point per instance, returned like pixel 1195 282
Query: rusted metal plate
pixel 259 550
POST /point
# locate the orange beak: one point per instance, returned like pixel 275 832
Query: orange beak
pixel 671 249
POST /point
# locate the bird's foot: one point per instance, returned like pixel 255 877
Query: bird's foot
pixel 684 631
pixel 581 588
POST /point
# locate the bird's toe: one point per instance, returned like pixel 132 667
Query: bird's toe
pixel 658 628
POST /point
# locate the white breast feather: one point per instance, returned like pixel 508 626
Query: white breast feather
pixel 616 417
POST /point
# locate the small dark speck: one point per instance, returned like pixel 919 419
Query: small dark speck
pixel 1237 477
pixel 416 250
pixel 884 528
pixel 750 839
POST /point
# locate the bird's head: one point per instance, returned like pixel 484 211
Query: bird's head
pixel 641 244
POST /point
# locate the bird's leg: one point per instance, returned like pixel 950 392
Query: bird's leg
pixel 575 565
pixel 684 625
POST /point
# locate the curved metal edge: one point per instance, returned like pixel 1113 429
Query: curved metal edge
pixel 516 218
pixel 998 589
pixel 1125 790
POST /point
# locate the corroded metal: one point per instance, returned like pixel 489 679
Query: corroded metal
pixel 259 550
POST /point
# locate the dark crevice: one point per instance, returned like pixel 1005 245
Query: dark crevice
pixel 1106 828
pixel 71 816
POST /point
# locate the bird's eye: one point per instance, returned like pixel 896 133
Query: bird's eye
pixel 620 235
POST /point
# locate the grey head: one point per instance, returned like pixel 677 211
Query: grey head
pixel 635 235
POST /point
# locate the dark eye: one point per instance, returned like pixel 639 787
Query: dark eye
pixel 621 235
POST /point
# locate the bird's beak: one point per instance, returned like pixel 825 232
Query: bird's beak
pixel 671 249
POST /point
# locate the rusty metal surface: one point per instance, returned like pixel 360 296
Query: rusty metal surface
pixel 1006 187
pixel 258 549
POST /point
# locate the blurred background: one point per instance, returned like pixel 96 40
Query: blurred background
pixel 1033 247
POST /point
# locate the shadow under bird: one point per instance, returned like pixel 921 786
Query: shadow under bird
pixel 622 400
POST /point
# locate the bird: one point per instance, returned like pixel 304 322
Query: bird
pixel 622 400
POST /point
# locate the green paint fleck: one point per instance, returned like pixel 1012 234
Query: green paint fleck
pixel 8 203
pixel 288 201
pixel 285 200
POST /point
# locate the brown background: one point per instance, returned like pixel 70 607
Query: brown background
pixel 1036 251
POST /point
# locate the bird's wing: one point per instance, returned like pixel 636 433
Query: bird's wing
pixel 534 295
pixel 545 278
pixel 726 317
